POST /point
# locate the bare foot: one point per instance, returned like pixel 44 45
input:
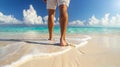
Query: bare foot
pixel 63 42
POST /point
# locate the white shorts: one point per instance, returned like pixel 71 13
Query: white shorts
pixel 51 4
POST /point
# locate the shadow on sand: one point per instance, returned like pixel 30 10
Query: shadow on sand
pixel 32 41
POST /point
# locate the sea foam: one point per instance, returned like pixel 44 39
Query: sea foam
pixel 35 52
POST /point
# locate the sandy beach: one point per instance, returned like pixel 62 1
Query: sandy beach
pixel 102 50
pixel 89 31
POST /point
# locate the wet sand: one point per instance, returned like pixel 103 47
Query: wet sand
pixel 103 50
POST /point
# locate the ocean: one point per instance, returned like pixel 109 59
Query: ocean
pixel 43 29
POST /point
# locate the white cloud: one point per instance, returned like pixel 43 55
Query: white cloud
pixel 105 21
pixel 8 19
pixel 93 21
pixel 45 18
pixel 30 16
pixel 115 20
pixel 77 22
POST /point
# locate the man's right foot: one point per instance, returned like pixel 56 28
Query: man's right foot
pixel 63 42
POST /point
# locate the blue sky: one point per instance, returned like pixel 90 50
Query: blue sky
pixel 78 9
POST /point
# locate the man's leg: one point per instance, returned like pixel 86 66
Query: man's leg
pixel 63 23
pixel 51 14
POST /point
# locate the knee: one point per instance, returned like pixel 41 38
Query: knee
pixel 63 11
pixel 50 18
pixel 51 13
pixel 64 15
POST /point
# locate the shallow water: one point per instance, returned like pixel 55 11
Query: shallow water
pixel 11 54
pixel 43 29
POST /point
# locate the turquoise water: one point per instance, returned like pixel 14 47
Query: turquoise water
pixel 70 30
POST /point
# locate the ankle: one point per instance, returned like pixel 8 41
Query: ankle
pixel 62 39
pixel 50 39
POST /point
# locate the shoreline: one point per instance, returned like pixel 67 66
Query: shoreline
pixel 25 58
pixel 101 47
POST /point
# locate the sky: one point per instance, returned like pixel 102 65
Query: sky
pixel 82 12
